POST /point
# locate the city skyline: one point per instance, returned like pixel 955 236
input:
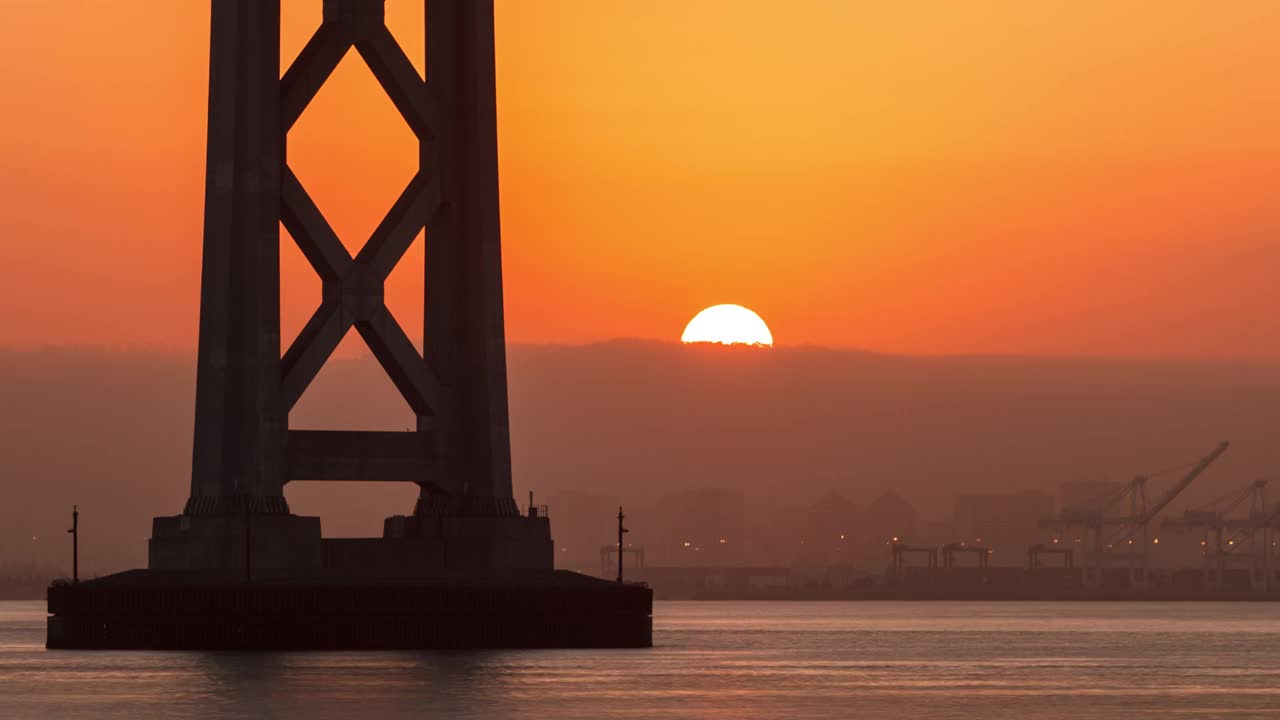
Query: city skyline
pixel 783 426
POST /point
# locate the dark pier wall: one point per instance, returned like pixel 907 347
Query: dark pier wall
pixel 550 610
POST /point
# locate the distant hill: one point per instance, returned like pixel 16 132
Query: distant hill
pixel 111 430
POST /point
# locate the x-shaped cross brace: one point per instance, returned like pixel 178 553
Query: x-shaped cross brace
pixel 353 288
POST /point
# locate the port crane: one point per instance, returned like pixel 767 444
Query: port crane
pixel 981 552
pixel 1036 553
pixel 900 552
pixel 1235 536
pixel 1132 526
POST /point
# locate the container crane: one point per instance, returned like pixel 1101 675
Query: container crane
pixel 1232 536
pixel 950 550
pixel 901 550
pixel 1133 524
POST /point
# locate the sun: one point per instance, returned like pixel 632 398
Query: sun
pixel 728 325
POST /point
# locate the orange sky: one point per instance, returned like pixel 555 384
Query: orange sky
pixel 923 177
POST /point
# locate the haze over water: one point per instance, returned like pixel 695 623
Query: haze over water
pixel 944 661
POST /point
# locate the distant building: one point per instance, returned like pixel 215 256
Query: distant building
pixel 702 527
pixel 779 538
pixel 832 531
pixel 890 516
pixel 938 532
pixel 580 523
pixel 1085 493
pixel 1006 523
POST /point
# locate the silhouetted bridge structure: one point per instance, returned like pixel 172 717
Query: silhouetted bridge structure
pixel 236 568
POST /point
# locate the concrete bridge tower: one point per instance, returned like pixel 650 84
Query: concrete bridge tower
pixel 245 451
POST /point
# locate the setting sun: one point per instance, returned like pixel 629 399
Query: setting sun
pixel 728 325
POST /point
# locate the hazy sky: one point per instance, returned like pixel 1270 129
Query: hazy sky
pixel 923 177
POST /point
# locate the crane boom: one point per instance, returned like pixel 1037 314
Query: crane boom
pixel 1139 513
pixel 1173 492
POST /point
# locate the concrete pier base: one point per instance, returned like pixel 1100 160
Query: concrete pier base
pixel 410 545
pixel 218 542
pixel 478 541
pixel 324 610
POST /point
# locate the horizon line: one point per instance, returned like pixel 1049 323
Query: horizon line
pixel 160 349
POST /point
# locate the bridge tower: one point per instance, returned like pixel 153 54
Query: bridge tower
pixel 244 451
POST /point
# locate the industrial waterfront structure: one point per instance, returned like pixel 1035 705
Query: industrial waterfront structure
pixel 1122 543
pixel 236 569
pixel 1113 530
